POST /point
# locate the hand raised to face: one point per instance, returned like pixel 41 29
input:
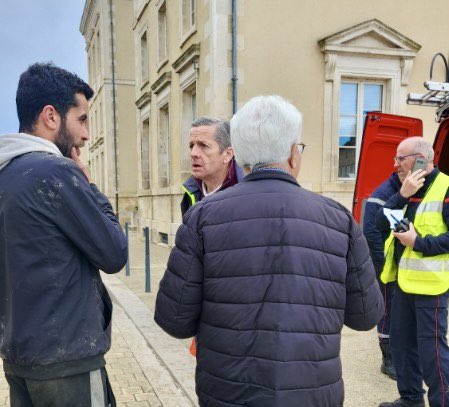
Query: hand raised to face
pixel 412 182
pixel 75 156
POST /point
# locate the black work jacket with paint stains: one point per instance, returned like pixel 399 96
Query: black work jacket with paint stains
pixel 56 232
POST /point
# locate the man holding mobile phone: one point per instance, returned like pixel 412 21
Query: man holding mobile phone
pixel 56 231
pixel 417 261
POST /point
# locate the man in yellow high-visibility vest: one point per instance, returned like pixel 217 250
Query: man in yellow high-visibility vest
pixel 418 262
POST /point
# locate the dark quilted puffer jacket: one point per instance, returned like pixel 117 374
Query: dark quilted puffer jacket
pixel 266 274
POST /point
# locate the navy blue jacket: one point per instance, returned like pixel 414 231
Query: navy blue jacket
pixel 56 232
pixel 374 236
pixel 265 274
pixel 427 245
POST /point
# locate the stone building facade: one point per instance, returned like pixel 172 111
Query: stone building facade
pixel 112 149
pixel 334 60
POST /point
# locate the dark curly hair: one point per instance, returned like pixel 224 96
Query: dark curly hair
pixel 46 84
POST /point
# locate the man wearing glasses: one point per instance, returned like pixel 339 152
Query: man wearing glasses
pixel 417 261
pixel 266 274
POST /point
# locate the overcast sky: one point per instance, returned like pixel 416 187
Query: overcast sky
pixel 36 31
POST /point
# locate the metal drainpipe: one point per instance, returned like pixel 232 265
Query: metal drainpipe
pixel 234 56
pixel 114 109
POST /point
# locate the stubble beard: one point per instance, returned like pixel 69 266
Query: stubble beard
pixel 64 140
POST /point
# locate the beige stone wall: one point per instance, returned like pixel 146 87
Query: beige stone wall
pixel 279 52
pixel 159 206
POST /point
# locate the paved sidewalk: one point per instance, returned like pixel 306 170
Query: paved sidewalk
pixel 138 376
pixel 361 358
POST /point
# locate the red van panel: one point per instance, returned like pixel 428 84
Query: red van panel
pixel 441 147
pixel 381 136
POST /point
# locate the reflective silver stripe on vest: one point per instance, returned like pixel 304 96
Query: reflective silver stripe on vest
pixel 376 200
pixel 96 389
pixel 424 265
pixel 435 206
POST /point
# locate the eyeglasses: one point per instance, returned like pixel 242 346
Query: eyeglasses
pixel 400 158
pixel 301 147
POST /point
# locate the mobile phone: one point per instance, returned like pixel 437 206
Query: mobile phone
pixel 420 164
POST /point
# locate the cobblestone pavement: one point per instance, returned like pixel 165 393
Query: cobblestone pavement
pixel 138 377
pixel 4 390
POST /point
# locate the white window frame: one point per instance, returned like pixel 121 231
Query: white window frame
pixel 163 102
pixel 370 51
pixel 187 22
pixel 188 83
pixel 167 164
pixel 162 58
pixel 192 111
pixel 360 122
pixel 148 136
pixel 144 72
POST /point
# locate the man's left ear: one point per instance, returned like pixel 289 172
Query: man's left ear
pixel 292 162
pixel 228 154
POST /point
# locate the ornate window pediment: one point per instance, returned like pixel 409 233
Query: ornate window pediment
pixel 370 39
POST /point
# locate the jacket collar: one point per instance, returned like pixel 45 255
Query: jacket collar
pixel 270 174
pixel 234 176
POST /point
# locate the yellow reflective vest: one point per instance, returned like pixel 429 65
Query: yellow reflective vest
pixel 419 274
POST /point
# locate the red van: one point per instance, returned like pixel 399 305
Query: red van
pixel 381 136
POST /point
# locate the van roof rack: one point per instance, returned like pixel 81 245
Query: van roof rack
pixel 437 95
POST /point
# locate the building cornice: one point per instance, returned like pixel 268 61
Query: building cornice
pixel 161 83
pixel 138 13
pixel 395 42
pixel 190 55
pixel 96 144
pixel 143 100
pixel 88 19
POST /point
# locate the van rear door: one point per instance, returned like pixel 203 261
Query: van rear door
pixel 381 136
pixel 441 147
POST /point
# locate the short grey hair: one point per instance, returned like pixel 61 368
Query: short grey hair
pixel 424 148
pixel 264 130
pixel 223 132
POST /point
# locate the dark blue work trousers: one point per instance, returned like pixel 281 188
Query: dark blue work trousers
pixel 419 346
pixel 383 326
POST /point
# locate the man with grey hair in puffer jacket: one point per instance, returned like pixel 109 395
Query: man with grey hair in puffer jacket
pixel 266 274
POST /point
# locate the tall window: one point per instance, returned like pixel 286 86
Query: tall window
pixel 100 118
pixel 93 125
pixel 97 124
pixel 163 150
pixel 94 61
pixel 188 15
pixel 144 57
pixel 356 99
pixel 145 154
pixel 89 66
pixel 162 33
pixel 188 116
pixel 102 180
pixel 98 51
